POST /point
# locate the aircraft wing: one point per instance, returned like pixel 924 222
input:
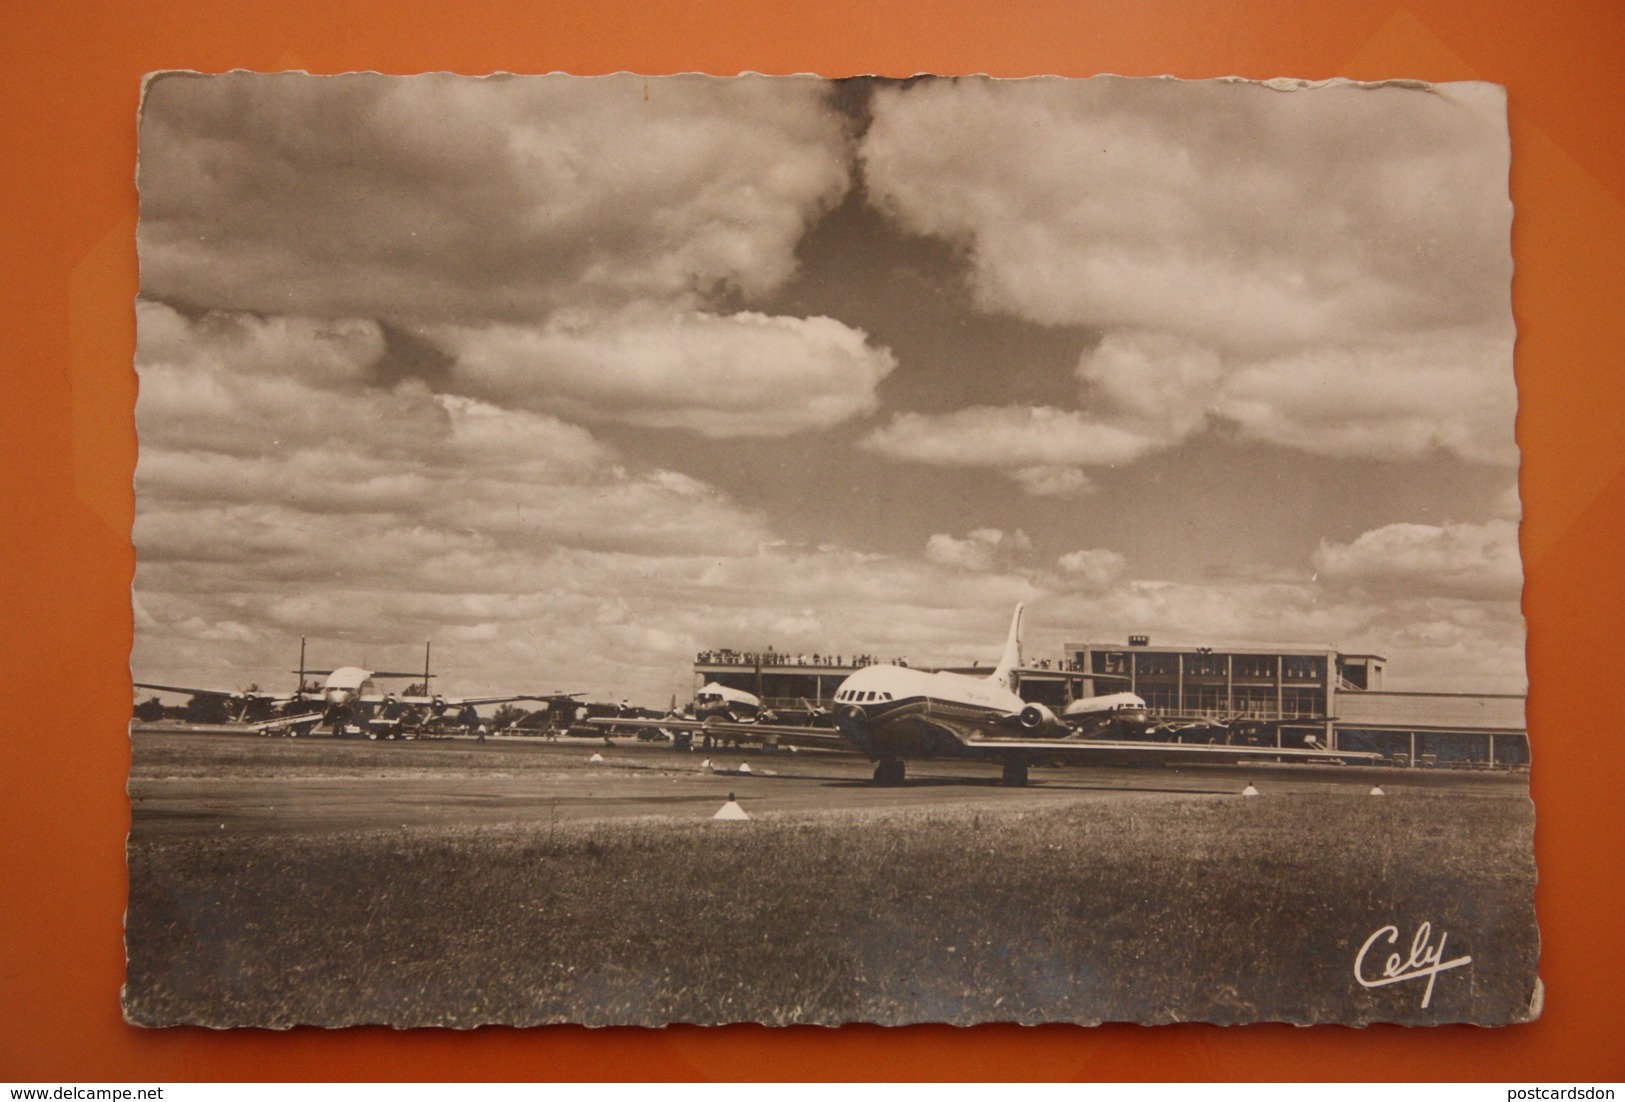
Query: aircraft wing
pixel 307 719
pixel 1092 750
pixel 226 694
pixel 464 701
pixel 263 698
pixel 778 734
pixel 475 701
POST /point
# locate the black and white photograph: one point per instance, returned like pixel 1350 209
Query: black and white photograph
pixel 634 550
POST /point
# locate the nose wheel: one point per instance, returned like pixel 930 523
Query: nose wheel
pixel 889 772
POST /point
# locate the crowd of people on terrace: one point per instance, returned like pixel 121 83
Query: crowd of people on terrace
pixel 728 657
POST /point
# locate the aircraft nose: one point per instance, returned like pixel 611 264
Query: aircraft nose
pixel 853 721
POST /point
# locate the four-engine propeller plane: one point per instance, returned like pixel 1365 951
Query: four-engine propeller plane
pixel 349 702
pixel 893 714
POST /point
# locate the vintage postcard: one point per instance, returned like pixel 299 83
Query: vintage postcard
pixel 635 550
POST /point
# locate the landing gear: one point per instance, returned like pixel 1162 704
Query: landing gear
pixel 889 772
pixel 1015 774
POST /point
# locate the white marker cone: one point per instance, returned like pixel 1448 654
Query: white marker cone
pixel 731 810
pixel 744 767
pixel 1376 790
pixel 1249 791
pixel 596 757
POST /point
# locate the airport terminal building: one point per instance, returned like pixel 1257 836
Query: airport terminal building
pixel 1315 690
pixel 1336 698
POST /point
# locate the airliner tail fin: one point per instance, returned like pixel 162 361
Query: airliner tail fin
pixel 1005 672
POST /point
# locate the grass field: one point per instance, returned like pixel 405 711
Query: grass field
pixel 1164 908
pixel 250 756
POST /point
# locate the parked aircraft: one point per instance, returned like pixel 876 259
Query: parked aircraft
pixel 349 702
pixel 241 703
pixel 893 714
pixel 716 705
pixel 247 700
pixel 715 701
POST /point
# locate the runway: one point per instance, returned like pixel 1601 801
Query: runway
pixel 187 783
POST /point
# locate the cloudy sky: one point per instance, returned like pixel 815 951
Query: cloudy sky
pixel 579 376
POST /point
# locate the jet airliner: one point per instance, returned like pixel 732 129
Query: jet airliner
pixel 894 714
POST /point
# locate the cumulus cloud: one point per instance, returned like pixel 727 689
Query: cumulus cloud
pixel 1092 569
pixel 1448 391
pixel 443 198
pixel 1006 436
pixel 1228 213
pixel 222 431
pixel 1160 384
pixel 323 352
pixel 1473 561
pixel 979 550
pixel 744 374
pixel 563 239
pixel 1329 268
pixel 1147 391
pixel 231 383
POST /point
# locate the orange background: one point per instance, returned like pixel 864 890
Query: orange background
pixel 71 85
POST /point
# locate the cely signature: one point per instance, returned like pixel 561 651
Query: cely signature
pixel 1425 959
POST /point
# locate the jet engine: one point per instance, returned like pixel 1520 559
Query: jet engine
pixel 853 723
pixel 852 718
pixel 1039 719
